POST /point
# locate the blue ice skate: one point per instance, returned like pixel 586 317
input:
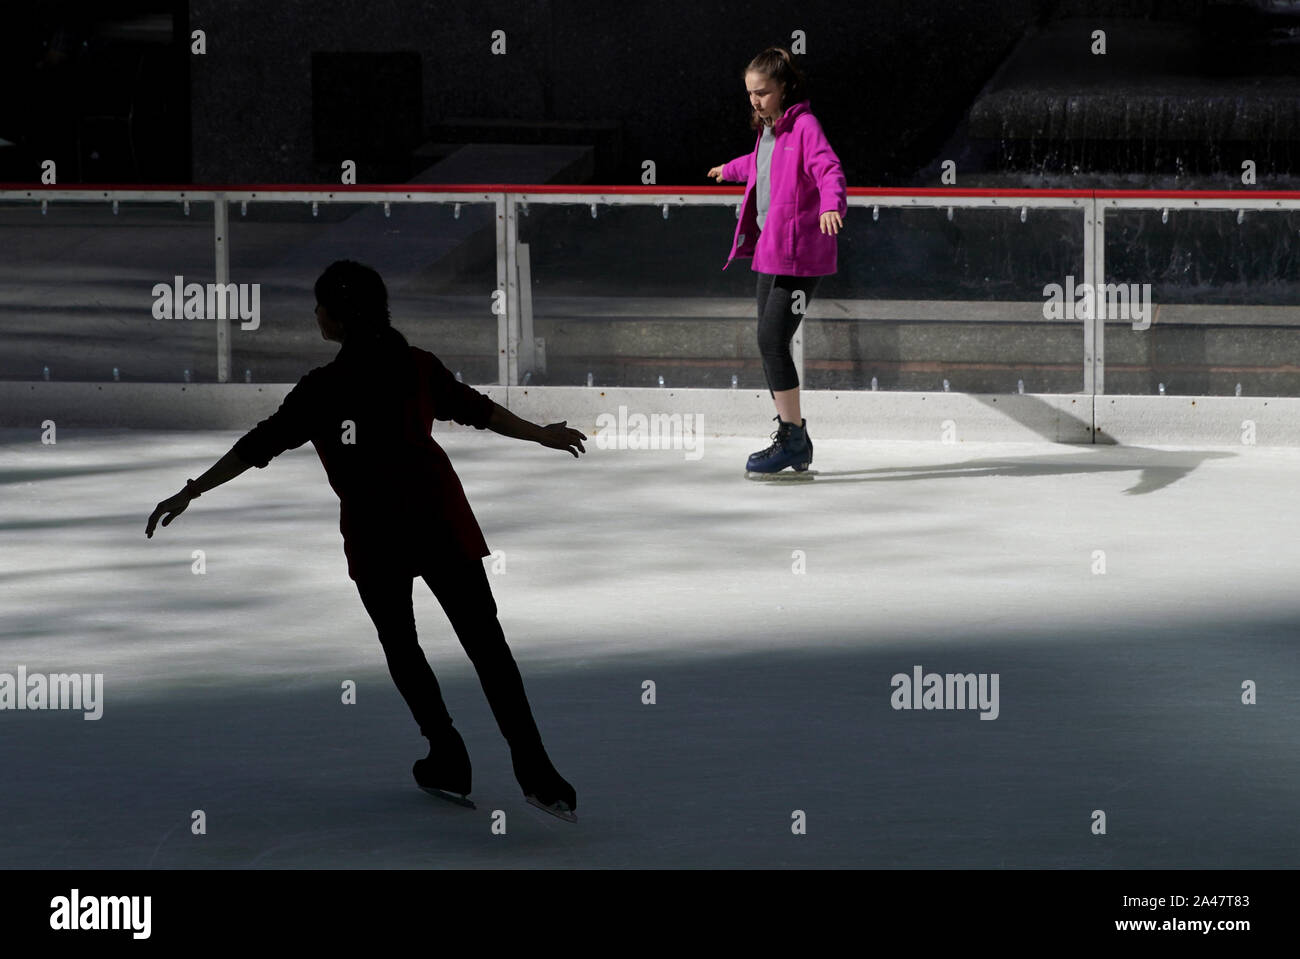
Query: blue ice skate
pixel 791 446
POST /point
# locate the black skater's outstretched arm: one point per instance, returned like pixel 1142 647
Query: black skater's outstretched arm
pixel 556 436
pixel 222 471
pixel 291 426
pixel 453 400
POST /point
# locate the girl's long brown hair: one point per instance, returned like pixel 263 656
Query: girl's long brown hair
pixel 777 64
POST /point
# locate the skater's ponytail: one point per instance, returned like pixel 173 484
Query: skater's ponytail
pixel 355 297
pixel 777 64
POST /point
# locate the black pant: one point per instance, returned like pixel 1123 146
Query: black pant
pixel 777 323
pixel 466 597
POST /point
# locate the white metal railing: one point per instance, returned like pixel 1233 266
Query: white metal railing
pixel 1142 200
pixel 516 203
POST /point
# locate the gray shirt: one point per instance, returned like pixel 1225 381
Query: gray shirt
pixel 764 184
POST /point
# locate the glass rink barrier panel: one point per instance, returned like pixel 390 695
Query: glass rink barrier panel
pixel 931 298
pixel 633 294
pixel 1220 289
pixel 438 260
pixel 87 290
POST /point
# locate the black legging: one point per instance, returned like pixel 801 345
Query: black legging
pixel 777 323
pixel 466 598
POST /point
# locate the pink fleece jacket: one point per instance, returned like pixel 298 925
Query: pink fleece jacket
pixel 807 181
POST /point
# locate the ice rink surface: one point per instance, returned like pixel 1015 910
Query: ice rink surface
pixel 770 617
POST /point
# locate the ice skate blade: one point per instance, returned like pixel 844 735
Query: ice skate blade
pixel 784 476
pixel 559 814
pixel 450 797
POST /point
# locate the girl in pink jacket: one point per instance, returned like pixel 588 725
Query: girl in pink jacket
pixel 794 206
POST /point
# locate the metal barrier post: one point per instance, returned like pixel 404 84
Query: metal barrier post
pixel 220 210
pixel 527 343
pixel 512 289
pixel 796 348
pixel 1089 272
pixel 503 333
pixel 1099 280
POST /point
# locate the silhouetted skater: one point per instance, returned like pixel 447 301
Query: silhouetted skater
pixel 403 513
pixel 794 206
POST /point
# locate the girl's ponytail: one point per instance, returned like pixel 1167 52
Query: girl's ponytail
pixel 777 64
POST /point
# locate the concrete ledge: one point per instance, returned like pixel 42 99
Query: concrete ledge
pixel 1206 420
pixel 954 417
pixel 1060 418
pixel 155 406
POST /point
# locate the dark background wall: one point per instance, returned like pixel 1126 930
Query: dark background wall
pixel 888 79
pixel 891 80
pixel 288 90
pixel 100 88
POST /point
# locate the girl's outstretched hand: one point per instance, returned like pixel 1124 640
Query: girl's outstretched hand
pixel 559 436
pixel 175 505
pixel 831 222
pixel 716 173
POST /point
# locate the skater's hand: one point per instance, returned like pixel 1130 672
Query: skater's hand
pixel 831 222
pixel 559 436
pixel 716 173
pixel 175 505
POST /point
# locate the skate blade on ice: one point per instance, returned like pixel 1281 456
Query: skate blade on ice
pixel 450 797
pixel 559 810
pixel 785 476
